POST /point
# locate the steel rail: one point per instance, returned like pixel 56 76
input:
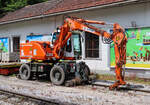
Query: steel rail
pixel 35 98
pixel 131 87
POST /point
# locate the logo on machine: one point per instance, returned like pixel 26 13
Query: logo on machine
pixel 35 52
pixel 22 53
pixel 118 38
pixel 88 29
pixel 49 54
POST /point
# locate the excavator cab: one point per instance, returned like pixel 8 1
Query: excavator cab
pixel 73 46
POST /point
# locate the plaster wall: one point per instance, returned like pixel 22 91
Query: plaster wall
pixel 123 15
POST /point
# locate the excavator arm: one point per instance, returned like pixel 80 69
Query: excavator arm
pixel 118 37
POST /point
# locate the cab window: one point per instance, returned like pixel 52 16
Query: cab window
pixel 55 37
pixel 77 44
pixel 69 45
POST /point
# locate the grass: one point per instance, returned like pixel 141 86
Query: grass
pixel 127 79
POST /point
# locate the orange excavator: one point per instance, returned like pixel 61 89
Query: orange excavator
pixel 54 60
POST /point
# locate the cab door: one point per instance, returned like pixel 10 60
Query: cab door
pixel 73 48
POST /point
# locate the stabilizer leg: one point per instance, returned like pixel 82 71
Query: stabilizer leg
pixel 119 77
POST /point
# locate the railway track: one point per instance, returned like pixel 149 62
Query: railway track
pixel 132 87
pixel 14 85
pixel 12 98
pixel 22 99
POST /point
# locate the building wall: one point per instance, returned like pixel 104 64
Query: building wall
pixel 124 15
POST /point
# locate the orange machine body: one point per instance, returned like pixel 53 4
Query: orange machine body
pixel 36 50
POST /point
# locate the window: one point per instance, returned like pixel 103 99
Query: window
pixel 69 46
pixel 77 44
pixel 91 45
pixel 55 37
pixel 16 44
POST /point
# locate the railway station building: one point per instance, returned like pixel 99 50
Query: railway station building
pixel 39 21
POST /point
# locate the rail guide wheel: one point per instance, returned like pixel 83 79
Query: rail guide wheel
pixel 25 72
pixel 57 75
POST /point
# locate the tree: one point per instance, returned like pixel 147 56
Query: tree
pixel 12 5
pixel 31 2
pixel 2 5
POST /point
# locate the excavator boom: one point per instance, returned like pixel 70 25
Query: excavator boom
pixel 118 37
pixel 42 51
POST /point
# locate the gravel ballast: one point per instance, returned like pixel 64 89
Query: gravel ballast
pixel 81 95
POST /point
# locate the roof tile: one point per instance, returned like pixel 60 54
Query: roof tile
pixel 53 6
pixel 68 5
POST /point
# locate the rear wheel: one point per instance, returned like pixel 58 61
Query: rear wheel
pixel 84 68
pixel 57 75
pixel 25 72
pixel 84 71
pixel 87 70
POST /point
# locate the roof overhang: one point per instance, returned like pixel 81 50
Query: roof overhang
pixel 76 10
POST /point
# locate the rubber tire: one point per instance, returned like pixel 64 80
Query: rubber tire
pixel 87 70
pixel 28 70
pixel 52 78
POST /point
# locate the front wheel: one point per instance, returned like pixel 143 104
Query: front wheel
pixel 25 72
pixel 57 75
